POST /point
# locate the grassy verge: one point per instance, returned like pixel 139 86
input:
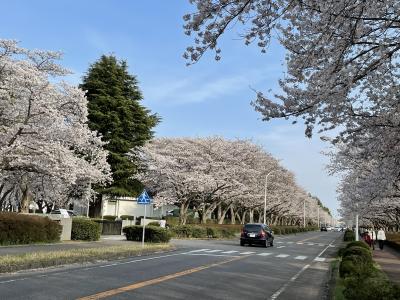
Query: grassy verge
pixel 336 283
pixel 12 263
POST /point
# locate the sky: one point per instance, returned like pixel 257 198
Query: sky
pixel 207 98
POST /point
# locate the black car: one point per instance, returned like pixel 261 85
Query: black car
pixel 257 234
pixel 323 228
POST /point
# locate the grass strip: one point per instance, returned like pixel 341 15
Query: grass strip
pixel 12 263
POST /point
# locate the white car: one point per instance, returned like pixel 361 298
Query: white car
pixel 328 228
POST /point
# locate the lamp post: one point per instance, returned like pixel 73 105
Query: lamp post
pixel 265 196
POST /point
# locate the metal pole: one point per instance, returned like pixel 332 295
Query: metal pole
pixel 265 198
pixel 304 213
pixel 144 225
pixel 356 233
pixel 318 217
pixel 90 195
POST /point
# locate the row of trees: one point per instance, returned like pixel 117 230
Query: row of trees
pixel 224 178
pixel 56 144
pixel 342 79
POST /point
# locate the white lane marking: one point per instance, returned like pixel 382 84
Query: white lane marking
pixel 310 244
pixel 321 245
pixel 213 251
pixel 228 252
pixel 280 242
pixel 264 254
pixel 245 253
pixel 319 259
pixel 278 292
pixel 301 257
pixel 199 250
pixel 299 243
pixel 280 247
pixel 210 254
pixel 282 255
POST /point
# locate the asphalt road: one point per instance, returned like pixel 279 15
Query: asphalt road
pixel 295 268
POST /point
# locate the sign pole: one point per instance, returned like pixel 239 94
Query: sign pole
pixel 144 225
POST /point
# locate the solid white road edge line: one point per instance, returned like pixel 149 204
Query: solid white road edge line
pixel 278 292
pixel 283 288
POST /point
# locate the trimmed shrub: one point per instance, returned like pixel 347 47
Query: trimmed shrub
pixel 156 224
pixel 358 244
pixel 127 217
pixel 26 229
pixel 172 221
pixel 152 234
pixel 363 253
pixel 109 218
pixel 349 236
pixel 85 229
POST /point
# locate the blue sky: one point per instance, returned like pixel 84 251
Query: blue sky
pixel 208 98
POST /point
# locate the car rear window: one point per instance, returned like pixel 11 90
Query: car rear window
pixel 252 227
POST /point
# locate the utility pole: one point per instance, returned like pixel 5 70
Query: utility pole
pixel 304 213
pixel 318 215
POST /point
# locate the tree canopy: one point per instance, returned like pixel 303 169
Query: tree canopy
pixel 342 77
pixel 116 113
pixel 46 146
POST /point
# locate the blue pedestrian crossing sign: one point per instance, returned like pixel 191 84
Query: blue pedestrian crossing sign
pixel 144 198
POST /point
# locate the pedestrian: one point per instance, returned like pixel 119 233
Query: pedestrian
pixel 381 237
pixel 367 238
pixel 373 239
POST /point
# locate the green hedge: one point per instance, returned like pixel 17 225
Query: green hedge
pixel 361 279
pixel 156 224
pixel 292 229
pixel 196 231
pixel 85 229
pixel 109 218
pixel 127 217
pixel 26 229
pixel 349 236
pixel 153 234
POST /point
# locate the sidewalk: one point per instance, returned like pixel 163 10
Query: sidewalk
pixel 105 241
pixel 389 260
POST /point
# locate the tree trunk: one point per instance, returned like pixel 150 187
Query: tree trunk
pixel 251 214
pixel 233 220
pixel 26 195
pixel 183 213
pixel 221 217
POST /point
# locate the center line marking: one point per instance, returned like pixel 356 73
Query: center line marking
pixel 141 284
pixel 278 292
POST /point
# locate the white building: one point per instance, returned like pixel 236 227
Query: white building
pixel 128 206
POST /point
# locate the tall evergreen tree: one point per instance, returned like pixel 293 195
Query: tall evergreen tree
pixel 115 111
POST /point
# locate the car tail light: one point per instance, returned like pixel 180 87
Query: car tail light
pixel 242 232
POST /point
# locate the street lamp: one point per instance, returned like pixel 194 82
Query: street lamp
pixel 265 196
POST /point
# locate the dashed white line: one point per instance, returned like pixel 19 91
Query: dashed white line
pixel 299 243
pixel 199 250
pixel 300 257
pixel 280 247
pixel 282 255
pixel 264 254
pixel 246 253
pixel 213 251
pixel 228 252
pixel 319 259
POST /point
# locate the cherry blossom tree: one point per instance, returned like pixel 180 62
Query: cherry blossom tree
pixel 46 146
pixel 217 176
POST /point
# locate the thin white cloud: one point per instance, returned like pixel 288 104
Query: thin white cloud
pixel 202 88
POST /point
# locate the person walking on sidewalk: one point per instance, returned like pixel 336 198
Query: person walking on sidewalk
pixel 373 238
pixel 381 237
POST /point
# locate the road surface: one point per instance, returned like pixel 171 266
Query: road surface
pixel 295 268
